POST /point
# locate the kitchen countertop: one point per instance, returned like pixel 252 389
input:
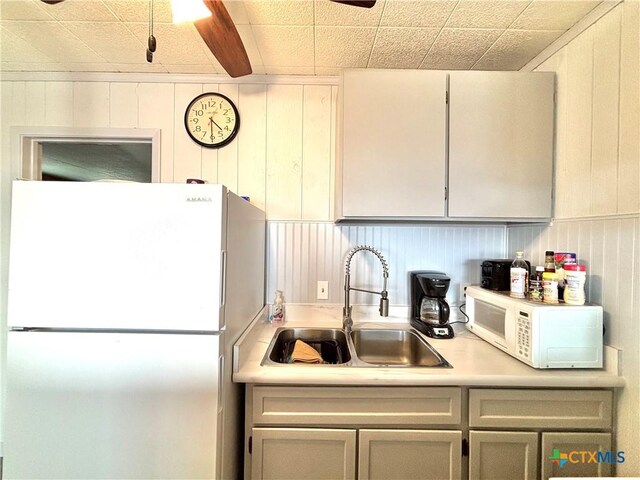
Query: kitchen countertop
pixel 475 362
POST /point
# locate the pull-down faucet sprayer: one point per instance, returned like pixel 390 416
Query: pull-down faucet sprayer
pixel 347 321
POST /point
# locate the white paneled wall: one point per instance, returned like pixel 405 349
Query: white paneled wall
pixel 597 190
pixel 282 157
pixel 302 253
pixel 598 118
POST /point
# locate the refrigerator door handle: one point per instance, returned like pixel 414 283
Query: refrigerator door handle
pixel 221 375
pixel 223 279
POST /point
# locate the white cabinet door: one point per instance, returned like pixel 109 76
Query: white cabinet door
pixel 503 455
pixel 303 453
pixel 393 144
pixel 409 454
pixel 500 144
pixel 585 454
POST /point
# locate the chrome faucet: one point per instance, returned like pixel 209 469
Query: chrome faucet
pixel 347 321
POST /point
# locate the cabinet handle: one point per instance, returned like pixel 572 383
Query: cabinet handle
pixel 465 447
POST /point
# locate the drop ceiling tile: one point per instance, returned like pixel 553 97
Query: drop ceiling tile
pixel 238 12
pixel 344 46
pixel 112 41
pixel 328 71
pixel 417 13
pixel 138 10
pixel 336 14
pixel 486 13
pixel 91 67
pixel 553 15
pixel 33 67
pixel 459 49
pixel 288 70
pixel 178 44
pixel 52 39
pixel 198 69
pixel 401 47
pixel 258 70
pixel 24 10
pixel 86 10
pixel 249 42
pixel 15 49
pixel 280 12
pixel 285 46
pixel 515 48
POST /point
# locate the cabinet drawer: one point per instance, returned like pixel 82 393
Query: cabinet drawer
pixel 556 409
pixel 354 406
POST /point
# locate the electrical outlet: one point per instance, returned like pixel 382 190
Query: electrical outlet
pixel 323 290
pixel 463 292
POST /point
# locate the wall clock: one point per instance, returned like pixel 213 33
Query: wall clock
pixel 212 120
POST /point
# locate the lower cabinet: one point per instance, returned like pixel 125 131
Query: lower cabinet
pixel 409 454
pixel 438 433
pixel 305 453
pixel 509 455
pixel 299 453
pixel 586 454
pixel 503 455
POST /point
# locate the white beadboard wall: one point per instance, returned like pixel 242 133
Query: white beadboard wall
pixel 597 191
pixel 302 253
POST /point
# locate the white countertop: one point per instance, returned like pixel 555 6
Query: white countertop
pixel 475 362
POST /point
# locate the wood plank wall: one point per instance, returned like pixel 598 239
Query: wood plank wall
pixel 597 120
pixel 282 157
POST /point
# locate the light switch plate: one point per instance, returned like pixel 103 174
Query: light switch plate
pixel 323 290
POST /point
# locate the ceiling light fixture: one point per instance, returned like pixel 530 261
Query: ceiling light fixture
pixel 188 10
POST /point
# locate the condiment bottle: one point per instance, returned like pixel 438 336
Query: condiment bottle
pixel 574 276
pixel 550 287
pixel 535 293
pixel 519 276
pixel 549 261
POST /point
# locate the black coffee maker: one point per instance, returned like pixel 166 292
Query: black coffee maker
pixel 429 307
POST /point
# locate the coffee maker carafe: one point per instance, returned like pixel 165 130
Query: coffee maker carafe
pixel 429 307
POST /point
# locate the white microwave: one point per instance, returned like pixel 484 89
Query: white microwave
pixel 539 334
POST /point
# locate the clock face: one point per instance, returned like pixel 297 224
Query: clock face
pixel 212 120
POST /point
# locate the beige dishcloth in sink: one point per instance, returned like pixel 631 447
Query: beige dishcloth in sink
pixel 305 353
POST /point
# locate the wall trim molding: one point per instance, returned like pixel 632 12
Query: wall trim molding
pixel 166 78
pixel 592 17
pixel 595 218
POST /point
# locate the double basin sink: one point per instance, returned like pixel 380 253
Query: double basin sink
pixel 365 347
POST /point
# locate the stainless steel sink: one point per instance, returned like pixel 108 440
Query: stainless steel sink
pixel 395 347
pixel 331 343
pixel 366 347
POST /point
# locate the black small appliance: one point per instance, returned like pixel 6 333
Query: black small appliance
pixel 429 307
pixel 496 274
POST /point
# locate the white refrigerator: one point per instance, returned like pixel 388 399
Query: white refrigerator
pixel 124 302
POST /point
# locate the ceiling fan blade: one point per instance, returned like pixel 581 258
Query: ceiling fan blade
pixel 222 38
pixel 51 2
pixel 357 3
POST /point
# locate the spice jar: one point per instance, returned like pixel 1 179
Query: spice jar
pixel 535 293
pixel 574 276
pixel 550 287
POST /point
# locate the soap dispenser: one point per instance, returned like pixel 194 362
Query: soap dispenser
pixel 277 310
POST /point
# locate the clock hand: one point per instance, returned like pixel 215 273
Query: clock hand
pixel 211 122
pixel 219 127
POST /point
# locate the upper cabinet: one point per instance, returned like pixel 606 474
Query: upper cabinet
pixel 393 143
pixel 435 145
pixel 500 144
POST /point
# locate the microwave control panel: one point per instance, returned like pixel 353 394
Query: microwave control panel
pixel 523 335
